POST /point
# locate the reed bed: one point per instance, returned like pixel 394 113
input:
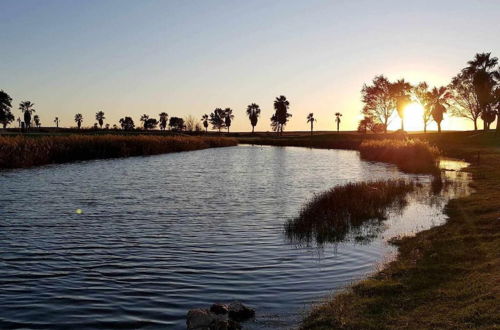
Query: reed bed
pixel 331 215
pixel 410 155
pixel 21 151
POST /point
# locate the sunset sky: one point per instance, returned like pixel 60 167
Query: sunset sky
pixel 189 57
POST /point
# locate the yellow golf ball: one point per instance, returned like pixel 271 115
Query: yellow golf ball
pixel 79 211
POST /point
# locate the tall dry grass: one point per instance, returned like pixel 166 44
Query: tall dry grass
pixel 410 155
pixel 21 151
pixel 331 215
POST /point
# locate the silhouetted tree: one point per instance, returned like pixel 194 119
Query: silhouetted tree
pixel 281 113
pixel 217 119
pixel 27 109
pixel 368 123
pixel 379 101
pixel 483 79
pixel 228 117
pixel 163 120
pixel 204 119
pixel 176 124
pixel 253 112
pixel 464 102
pixel 151 123
pixel 127 123
pixel 6 116
pixel 438 100
pixel 421 92
pixel 337 120
pixel 144 119
pixel 56 120
pixel 106 126
pixel 78 120
pixel 311 119
pixel 99 116
pixel 400 92
pixel 36 119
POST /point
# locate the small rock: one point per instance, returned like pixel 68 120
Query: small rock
pixel 199 319
pixel 218 309
pixel 239 312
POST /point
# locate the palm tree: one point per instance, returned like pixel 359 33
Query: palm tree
pixel 26 108
pixel 204 119
pixel 337 120
pixel 281 114
pixel 78 120
pixel 36 119
pixel 228 117
pixel 99 116
pixel 56 120
pixel 481 68
pixel 400 93
pixel 311 119
pixel 253 112
pixel 217 119
pixel 163 120
pixel 438 100
pixel 144 119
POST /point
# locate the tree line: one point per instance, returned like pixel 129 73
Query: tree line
pixel 474 93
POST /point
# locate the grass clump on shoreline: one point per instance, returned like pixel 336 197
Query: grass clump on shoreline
pixel 410 155
pixel 329 216
pixel 22 151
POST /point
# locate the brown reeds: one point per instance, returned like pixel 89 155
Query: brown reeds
pixel 410 155
pixel 21 151
pixel 329 216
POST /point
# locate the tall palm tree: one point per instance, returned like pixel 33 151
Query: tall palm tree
pixel 253 112
pixel 482 70
pixel 56 120
pixel 99 116
pixel 144 119
pixel 400 91
pixel 311 119
pixel 228 117
pixel 78 120
pixel 217 119
pixel 281 114
pixel 204 119
pixel 163 120
pixel 27 109
pixel 438 100
pixel 36 119
pixel 337 120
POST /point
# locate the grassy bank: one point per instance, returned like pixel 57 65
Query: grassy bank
pixel 443 278
pixel 329 216
pixel 22 151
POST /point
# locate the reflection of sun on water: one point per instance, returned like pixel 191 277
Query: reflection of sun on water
pixel 413 117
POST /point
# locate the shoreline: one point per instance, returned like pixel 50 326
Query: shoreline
pixel 442 277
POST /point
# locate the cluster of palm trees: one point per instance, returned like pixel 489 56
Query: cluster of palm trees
pixel 474 93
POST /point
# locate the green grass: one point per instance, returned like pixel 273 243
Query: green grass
pixel 26 151
pixel 331 215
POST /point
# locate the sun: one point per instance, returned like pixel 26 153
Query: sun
pixel 413 117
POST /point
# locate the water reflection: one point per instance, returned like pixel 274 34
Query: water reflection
pixel 452 182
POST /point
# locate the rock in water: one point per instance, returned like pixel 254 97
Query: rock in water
pixel 239 312
pixel 199 319
pixel 218 308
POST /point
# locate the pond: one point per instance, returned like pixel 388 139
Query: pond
pixel 159 235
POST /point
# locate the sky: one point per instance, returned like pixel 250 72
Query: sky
pixel 188 57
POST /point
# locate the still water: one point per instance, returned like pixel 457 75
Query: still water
pixel 162 234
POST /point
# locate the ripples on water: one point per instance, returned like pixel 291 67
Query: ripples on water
pixel 162 234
